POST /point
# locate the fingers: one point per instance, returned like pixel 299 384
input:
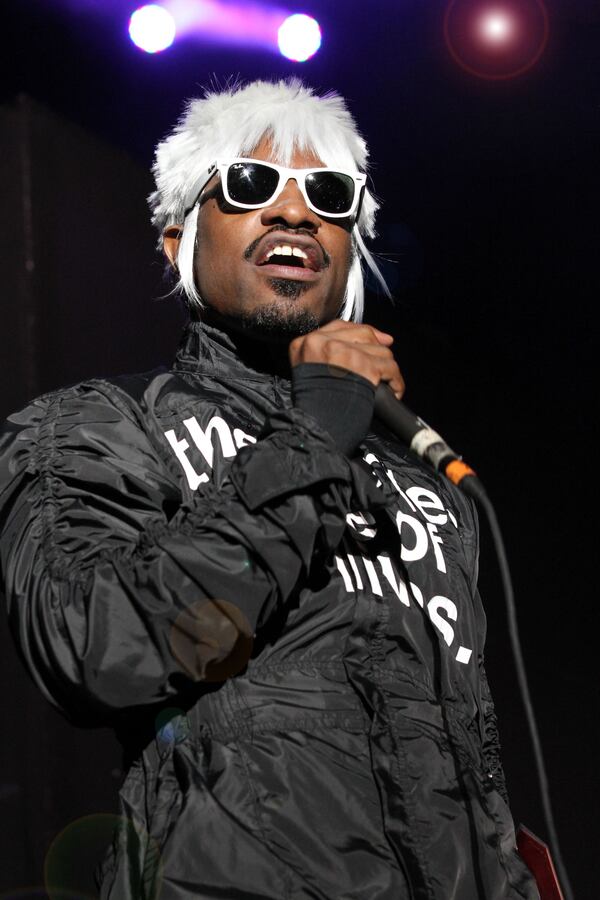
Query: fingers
pixel 309 347
pixel 356 332
pixel 383 367
pixel 393 376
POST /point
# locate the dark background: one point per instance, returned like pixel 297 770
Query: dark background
pixel 490 219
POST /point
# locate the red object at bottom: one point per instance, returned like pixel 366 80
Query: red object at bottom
pixel 536 856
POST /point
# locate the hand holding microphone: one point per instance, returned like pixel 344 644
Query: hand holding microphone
pixel 335 370
pixel 348 347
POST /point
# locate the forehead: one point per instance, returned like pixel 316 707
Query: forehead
pixel 301 158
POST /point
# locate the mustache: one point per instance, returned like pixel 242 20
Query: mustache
pixel 286 230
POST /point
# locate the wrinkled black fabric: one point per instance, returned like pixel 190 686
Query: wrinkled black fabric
pixel 341 401
pixel 352 752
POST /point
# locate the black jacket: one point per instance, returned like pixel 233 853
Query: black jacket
pixel 150 525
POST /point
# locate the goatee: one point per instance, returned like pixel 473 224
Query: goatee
pixel 280 319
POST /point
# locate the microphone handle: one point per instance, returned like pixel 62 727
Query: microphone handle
pixel 424 441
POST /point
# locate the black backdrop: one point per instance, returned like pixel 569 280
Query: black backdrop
pixel 490 218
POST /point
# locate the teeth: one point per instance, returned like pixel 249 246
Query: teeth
pixel 286 250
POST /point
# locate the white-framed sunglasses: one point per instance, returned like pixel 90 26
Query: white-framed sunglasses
pixel 252 183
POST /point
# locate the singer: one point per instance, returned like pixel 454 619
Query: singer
pixel 236 566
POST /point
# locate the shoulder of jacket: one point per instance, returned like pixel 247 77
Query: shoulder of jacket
pixel 84 401
pixel 119 390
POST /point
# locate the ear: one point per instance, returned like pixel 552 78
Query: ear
pixel 171 241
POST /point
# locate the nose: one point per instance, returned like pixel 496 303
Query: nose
pixel 290 209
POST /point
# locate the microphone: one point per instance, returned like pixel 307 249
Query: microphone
pixel 424 441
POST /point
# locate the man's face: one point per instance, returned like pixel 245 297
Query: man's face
pixel 256 290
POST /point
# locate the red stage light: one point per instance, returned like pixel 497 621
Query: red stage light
pixel 496 40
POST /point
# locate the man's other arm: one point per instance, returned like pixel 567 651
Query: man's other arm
pixel 105 571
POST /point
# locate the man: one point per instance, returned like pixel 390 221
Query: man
pixel 274 605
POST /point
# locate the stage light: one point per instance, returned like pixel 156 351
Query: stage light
pixel 496 26
pixel 496 39
pixel 242 23
pixel 152 28
pixel 299 37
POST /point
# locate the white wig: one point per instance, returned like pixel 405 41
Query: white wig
pixel 232 123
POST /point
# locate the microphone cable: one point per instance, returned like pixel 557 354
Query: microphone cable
pixel 429 445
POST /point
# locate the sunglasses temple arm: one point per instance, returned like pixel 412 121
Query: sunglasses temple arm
pixel 209 174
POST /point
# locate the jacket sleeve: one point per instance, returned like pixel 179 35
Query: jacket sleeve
pixel 117 590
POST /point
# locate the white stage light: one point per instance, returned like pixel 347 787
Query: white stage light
pixel 299 37
pixel 152 28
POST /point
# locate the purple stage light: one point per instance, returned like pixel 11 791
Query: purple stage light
pixel 152 28
pixel 299 37
pixel 249 24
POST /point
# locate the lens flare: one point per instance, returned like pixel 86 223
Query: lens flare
pixel 299 37
pixel 496 26
pixel 496 39
pixel 152 28
pixel 211 640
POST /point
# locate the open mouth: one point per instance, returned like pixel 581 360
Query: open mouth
pixel 285 255
pixel 290 256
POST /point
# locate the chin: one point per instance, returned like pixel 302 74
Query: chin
pixel 283 308
pixel 285 318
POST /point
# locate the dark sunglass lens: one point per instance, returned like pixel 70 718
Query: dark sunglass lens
pixel 251 182
pixel 331 192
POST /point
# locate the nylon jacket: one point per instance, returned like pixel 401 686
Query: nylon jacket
pixel 151 524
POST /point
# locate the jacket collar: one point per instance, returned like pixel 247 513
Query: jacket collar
pixel 204 348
